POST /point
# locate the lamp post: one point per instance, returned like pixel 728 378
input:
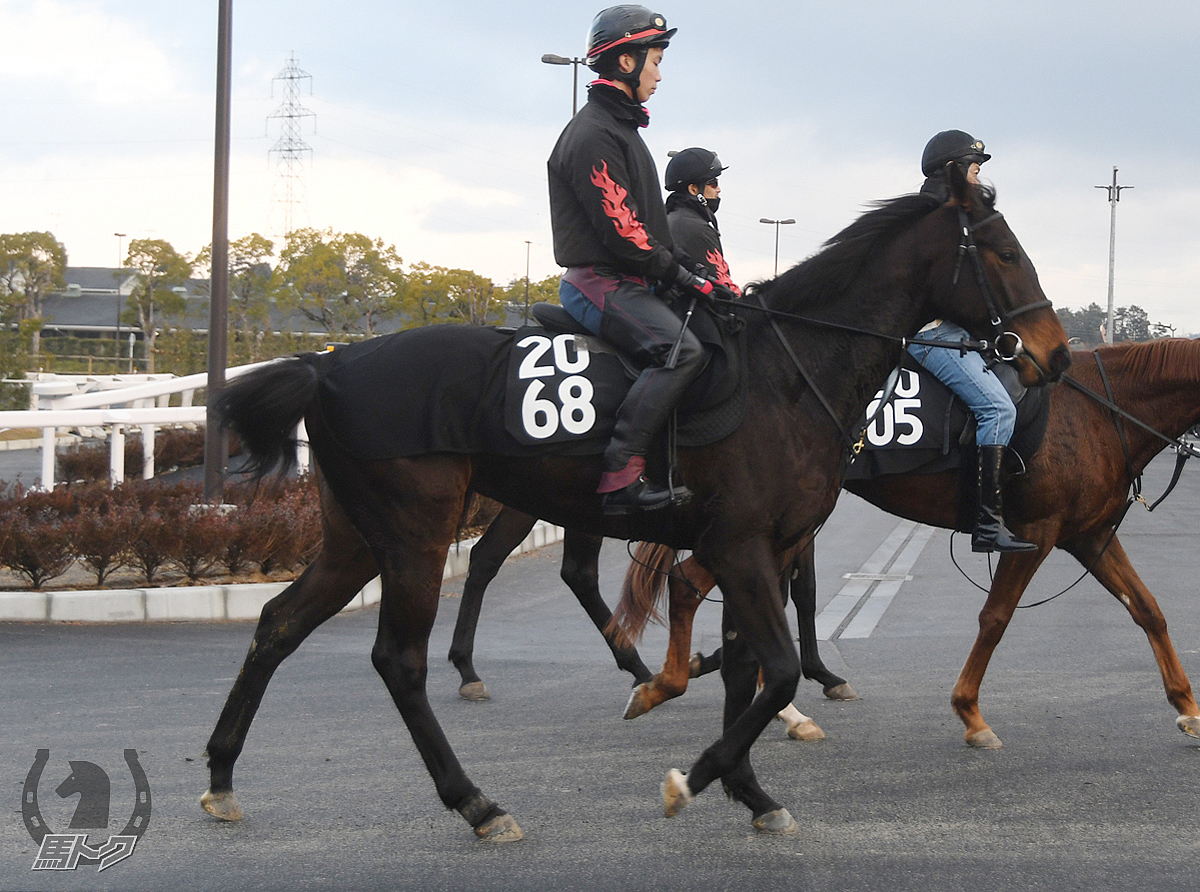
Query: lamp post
pixel 215 438
pixel 117 276
pixel 526 281
pixel 552 59
pixel 776 224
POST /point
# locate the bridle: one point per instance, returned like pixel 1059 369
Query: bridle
pixel 997 317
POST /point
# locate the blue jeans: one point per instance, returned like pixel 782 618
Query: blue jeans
pixel 971 381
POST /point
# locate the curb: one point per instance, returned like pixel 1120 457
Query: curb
pixel 209 603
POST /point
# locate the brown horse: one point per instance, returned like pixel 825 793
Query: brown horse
pixel 1072 496
pixel 758 491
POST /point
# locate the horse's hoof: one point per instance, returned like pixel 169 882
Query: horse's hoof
pixel 222 805
pixel 841 691
pixel 984 740
pixel 1189 725
pixel 675 792
pixel 637 703
pixel 695 665
pixel 777 823
pixel 806 730
pixel 501 828
pixel 475 691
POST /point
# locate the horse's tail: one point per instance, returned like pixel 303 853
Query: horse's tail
pixel 263 407
pixel 641 593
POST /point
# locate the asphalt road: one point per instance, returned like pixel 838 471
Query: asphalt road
pixel 1094 788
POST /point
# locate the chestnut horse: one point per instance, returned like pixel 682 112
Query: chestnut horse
pixel 1072 497
pixel 757 492
pixel 581 572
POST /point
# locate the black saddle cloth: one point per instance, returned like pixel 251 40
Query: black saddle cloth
pixel 470 389
pixel 924 428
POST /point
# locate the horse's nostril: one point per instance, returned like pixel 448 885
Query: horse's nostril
pixel 1060 361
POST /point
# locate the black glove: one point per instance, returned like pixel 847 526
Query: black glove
pixel 692 284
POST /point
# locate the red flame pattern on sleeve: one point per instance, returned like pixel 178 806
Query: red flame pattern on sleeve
pixel 628 226
pixel 717 260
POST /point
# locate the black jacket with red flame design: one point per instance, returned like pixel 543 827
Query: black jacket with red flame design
pixel 695 234
pixel 606 208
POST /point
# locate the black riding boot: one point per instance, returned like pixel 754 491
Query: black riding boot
pixel 990 532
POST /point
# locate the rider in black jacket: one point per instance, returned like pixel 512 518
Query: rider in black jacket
pixel 691 179
pixel 611 234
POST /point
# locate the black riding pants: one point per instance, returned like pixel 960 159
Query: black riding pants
pixel 644 329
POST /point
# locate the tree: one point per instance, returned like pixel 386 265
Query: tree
pixel 1130 323
pixel 31 265
pixel 345 282
pixel 544 291
pixel 158 268
pixel 249 287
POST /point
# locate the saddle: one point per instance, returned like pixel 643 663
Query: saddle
pixel 923 428
pixel 468 389
pixel 549 360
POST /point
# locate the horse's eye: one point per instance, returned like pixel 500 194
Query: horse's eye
pixel 1008 255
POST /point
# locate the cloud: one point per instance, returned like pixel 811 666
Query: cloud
pixel 79 49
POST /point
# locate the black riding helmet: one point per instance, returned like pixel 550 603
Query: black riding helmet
pixel 624 29
pixel 694 165
pixel 951 145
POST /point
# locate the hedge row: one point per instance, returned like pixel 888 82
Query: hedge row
pixel 153 527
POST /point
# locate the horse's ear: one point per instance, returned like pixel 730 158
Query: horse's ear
pixel 960 189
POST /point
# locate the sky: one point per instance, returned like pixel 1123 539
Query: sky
pixel 431 123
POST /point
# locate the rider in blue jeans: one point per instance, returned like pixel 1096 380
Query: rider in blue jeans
pixel 967 375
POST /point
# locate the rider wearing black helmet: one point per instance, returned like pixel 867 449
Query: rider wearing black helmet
pixel 691 179
pixel 950 145
pixel 966 374
pixel 611 234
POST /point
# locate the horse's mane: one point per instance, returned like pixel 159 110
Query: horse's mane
pixel 830 271
pixel 1162 360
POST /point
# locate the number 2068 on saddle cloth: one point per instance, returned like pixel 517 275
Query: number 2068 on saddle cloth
pixel 468 389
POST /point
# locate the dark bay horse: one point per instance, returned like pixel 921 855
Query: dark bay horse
pixel 1071 497
pixel 580 571
pixel 757 492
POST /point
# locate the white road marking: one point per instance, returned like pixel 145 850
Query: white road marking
pixel 858 607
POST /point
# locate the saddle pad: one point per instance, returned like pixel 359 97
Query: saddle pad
pixel 468 389
pixel 927 429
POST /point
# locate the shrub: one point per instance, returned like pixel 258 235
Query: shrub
pixel 150 526
pixel 37 538
pixel 204 534
pixel 103 537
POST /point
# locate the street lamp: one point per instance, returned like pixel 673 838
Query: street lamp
pixel 117 276
pixel 551 59
pixel 526 281
pixel 776 224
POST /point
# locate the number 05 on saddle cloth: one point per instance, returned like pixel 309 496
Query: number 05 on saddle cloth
pixel 466 389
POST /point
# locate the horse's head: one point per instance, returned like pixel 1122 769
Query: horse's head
pixel 989 286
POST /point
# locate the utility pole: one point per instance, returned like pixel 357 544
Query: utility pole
pixel 1114 195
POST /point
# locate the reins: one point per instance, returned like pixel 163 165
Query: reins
pixel 966 248
pixel 1183 451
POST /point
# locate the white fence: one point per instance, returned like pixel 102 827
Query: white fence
pixel 116 404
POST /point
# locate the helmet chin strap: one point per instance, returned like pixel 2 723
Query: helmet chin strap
pixel 634 78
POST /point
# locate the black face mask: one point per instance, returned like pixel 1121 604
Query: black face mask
pixel 713 203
